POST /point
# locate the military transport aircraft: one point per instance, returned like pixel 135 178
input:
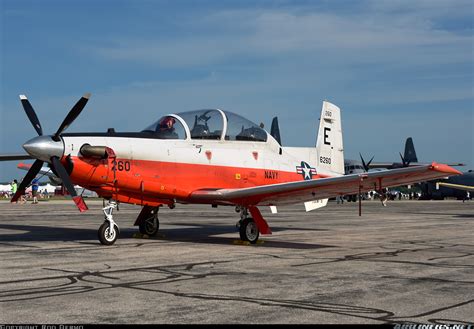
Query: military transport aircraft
pixel 206 156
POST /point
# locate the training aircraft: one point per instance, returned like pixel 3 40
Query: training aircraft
pixel 206 156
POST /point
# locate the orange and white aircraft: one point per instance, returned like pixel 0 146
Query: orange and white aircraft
pixel 207 157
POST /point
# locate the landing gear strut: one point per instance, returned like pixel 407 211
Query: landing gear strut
pixel 109 230
pixel 248 229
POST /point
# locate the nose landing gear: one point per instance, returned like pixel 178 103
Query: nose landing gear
pixel 109 230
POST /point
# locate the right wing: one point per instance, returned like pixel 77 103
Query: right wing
pixel 308 190
pixel 391 165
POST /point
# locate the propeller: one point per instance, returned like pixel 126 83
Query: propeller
pixel 405 162
pixel 50 149
pixel 275 130
pixel 366 165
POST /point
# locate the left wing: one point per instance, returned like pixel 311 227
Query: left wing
pixel 14 157
pixel 302 191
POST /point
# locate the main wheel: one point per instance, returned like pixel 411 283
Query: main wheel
pixel 150 226
pixel 249 231
pixel 105 236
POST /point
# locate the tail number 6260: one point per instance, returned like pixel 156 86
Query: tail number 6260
pixel 325 160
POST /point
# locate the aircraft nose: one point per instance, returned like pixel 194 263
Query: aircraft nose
pixel 44 147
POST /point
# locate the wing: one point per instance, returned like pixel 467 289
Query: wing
pixel 14 157
pixel 387 165
pixel 302 191
pixel 457 186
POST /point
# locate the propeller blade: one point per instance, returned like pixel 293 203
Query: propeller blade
pixel 363 162
pixel 275 130
pixel 62 173
pixel 365 165
pixel 31 114
pixel 404 162
pixel 370 161
pixel 72 115
pixel 30 175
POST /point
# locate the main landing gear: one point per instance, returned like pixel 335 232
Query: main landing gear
pixel 248 228
pixel 150 224
pixel 109 230
pixel 147 221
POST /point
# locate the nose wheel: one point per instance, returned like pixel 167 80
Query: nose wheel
pixel 106 235
pixel 109 230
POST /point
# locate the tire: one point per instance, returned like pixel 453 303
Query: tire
pixel 150 226
pixel 104 236
pixel 249 231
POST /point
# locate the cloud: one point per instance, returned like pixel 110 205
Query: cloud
pixel 376 36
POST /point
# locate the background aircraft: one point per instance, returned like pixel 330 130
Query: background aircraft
pixel 409 158
pixel 44 171
pixel 209 157
pixel 452 187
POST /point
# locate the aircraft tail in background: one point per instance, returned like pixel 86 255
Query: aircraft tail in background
pixel 410 154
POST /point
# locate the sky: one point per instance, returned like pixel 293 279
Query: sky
pixel 396 69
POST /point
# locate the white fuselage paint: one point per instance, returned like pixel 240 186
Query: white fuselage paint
pixel 243 154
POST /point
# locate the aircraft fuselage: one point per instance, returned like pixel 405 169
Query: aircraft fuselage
pixel 152 171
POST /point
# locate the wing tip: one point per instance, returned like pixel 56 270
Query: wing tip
pixel 23 97
pixel 445 168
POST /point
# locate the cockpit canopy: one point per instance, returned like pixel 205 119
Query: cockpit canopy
pixel 207 124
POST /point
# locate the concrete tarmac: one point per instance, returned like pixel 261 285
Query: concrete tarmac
pixel 412 261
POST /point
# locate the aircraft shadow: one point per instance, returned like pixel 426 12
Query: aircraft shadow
pixel 208 234
pixel 453 215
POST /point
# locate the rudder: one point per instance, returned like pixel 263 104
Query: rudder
pixel 329 145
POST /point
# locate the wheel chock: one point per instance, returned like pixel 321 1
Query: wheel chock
pixel 140 236
pixel 247 243
pixel 146 236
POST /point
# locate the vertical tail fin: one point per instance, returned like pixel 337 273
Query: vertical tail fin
pixel 410 154
pixel 329 146
pixel 275 130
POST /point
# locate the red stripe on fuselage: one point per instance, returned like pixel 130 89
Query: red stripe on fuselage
pixel 156 180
